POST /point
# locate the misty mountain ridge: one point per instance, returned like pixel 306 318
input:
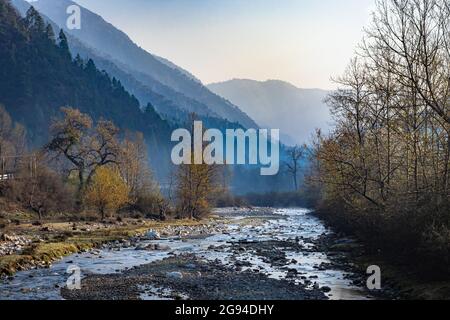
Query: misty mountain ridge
pixel 279 104
pixel 152 75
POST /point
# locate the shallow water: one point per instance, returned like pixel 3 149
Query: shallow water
pixel 46 283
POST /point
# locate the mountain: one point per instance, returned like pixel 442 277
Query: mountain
pixel 277 104
pixel 38 76
pixel 151 75
pixel 174 66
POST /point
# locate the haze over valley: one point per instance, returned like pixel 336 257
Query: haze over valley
pixel 278 104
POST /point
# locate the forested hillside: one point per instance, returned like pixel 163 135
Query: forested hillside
pixel 161 78
pixel 39 76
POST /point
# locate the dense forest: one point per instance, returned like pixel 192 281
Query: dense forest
pixel 384 171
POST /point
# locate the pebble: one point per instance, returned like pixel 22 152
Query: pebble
pixel 174 275
pixel 11 244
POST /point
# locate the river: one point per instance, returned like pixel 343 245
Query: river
pixel 283 225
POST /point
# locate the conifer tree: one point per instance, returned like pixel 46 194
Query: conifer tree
pixel 34 22
pixel 63 43
pixel 50 33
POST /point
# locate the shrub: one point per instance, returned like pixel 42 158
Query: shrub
pixel 107 192
pixel 43 193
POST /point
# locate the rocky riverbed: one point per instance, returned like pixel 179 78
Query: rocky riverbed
pixel 13 244
pixel 256 254
pixel 188 277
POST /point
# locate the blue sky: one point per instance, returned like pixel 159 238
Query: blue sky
pixel 304 42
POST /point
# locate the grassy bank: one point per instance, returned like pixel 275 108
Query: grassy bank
pixel 52 241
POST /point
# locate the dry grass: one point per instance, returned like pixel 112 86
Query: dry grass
pixel 61 240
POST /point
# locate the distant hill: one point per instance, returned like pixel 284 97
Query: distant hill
pixel 148 75
pixel 278 104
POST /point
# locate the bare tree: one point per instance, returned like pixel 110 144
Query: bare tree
pixel 84 147
pixel 295 155
pixel 413 37
pixel 384 170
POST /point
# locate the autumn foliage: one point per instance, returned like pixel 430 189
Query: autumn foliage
pixel 107 192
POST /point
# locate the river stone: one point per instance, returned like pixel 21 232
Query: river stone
pixel 162 247
pixel 153 247
pixel 140 247
pixel 174 275
pixel 5 237
pixel 152 235
pixel 325 289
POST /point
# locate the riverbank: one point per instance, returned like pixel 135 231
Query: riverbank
pixel 38 245
pixel 247 253
pixel 259 253
pixel 399 281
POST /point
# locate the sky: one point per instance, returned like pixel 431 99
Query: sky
pixel 304 42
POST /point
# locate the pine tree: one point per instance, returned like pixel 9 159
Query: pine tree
pixel 90 67
pixel 50 33
pixel 34 22
pixel 79 61
pixel 63 43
